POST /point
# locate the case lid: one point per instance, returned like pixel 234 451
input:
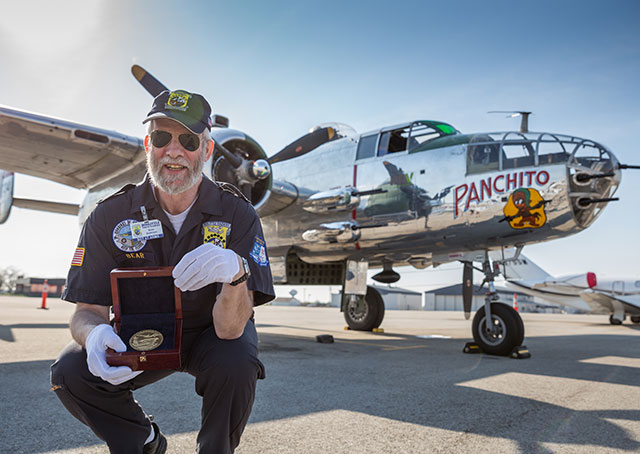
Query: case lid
pixel 144 291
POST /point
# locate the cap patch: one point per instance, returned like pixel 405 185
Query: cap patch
pixel 259 252
pixel 178 100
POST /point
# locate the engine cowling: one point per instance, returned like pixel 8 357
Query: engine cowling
pixel 267 195
pixel 6 194
pixel 244 146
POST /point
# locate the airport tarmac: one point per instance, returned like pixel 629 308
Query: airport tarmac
pixel 408 390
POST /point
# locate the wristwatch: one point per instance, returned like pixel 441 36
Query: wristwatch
pixel 245 276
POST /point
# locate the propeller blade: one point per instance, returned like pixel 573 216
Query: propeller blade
pixel 150 83
pixel 304 144
pixel 467 288
pixel 234 160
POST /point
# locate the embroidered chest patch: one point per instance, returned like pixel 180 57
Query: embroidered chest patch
pixel 123 238
pixel 216 232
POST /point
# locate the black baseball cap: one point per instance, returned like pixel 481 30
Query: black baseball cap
pixel 189 109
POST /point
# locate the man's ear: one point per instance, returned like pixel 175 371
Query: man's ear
pixel 146 143
pixel 209 149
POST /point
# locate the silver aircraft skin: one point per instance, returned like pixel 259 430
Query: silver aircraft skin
pixel 616 297
pixel 334 203
pixel 442 204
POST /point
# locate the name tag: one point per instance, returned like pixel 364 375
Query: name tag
pixel 147 230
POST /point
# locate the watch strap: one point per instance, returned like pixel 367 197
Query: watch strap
pixel 246 274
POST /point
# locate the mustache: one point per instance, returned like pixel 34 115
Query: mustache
pixel 167 160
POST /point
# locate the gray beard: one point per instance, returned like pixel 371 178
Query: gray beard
pixel 169 184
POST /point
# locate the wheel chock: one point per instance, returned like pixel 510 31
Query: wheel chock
pixel 471 347
pixel 325 339
pixel 374 330
pixel 520 352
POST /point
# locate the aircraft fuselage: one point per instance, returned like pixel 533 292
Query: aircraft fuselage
pixel 419 206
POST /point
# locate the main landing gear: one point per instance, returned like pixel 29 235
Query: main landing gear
pixel 497 328
pixel 364 313
pixel 616 320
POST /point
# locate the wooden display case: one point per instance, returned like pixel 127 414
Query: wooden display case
pixel 148 318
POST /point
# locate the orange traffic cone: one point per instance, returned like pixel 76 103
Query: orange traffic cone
pixel 515 302
pixel 45 290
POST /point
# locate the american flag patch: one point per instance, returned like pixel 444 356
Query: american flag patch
pixel 78 257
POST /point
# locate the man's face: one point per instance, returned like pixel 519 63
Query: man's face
pixel 174 169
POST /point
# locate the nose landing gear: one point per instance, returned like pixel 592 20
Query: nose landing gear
pixel 497 328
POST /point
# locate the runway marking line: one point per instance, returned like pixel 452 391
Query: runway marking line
pixel 619 361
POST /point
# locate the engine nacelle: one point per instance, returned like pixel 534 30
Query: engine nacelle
pixel 268 196
pixel 242 145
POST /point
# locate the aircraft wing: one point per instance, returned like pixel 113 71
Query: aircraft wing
pixel 58 150
pixel 610 301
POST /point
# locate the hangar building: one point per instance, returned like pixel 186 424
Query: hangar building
pixel 450 299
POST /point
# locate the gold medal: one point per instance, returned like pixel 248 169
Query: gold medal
pixel 145 340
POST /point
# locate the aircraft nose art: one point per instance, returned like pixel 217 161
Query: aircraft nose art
pixel 594 177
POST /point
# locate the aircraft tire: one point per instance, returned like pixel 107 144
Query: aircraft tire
pixel 510 328
pixel 635 318
pixel 615 321
pixel 365 314
pixel 521 326
pixel 380 303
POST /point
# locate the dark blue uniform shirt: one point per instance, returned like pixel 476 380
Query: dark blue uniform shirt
pixel 218 216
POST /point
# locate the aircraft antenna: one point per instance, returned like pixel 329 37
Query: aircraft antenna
pixel 524 122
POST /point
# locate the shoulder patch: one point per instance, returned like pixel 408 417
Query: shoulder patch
pixel 259 251
pixel 228 187
pixel 121 191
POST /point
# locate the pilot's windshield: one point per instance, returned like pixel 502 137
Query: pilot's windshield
pixel 413 136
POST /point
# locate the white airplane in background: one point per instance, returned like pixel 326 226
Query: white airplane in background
pixel 616 297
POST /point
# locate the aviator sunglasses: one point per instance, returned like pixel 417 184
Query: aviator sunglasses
pixel 160 139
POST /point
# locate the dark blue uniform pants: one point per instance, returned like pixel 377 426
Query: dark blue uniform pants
pixel 225 370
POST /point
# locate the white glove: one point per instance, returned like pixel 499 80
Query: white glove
pixel 205 265
pixel 101 337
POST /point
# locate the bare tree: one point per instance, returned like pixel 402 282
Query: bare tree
pixel 8 279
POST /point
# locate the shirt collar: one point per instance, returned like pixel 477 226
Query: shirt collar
pixel 208 199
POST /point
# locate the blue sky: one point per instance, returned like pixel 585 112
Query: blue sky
pixel 279 68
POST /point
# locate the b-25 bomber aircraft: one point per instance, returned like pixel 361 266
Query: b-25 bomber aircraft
pixel 335 203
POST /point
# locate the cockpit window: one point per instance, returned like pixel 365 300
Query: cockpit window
pixel 393 141
pixel 551 150
pixel 421 133
pixel 483 154
pixel 446 129
pixel 367 146
pixel 517 154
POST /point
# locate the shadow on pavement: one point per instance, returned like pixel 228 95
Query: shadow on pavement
pixel 412 380
pixel 6 333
